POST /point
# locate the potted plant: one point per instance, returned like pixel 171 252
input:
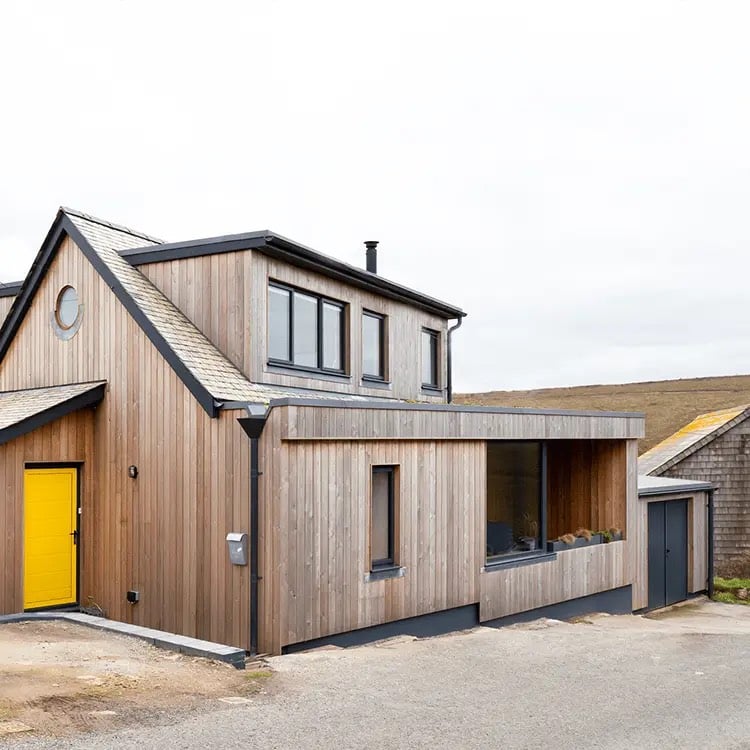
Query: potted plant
pixel 581 538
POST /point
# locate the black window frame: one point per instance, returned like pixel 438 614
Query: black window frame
pixel 390 561
pixel 435 336
pixel 383 376
pixel 499 560
pixel 321 300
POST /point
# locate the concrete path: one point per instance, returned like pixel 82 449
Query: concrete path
pixel 679 681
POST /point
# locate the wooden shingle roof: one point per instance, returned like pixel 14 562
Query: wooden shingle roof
pixel 691 438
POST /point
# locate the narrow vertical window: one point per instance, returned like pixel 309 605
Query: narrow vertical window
pixel 373 346
pixel 430 339
pixel 333 328
pixel 305 322
pixel 279 322
pixel 382 521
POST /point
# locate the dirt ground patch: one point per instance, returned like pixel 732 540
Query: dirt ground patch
pixel 58 678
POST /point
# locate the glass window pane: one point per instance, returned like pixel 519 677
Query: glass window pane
pixel 372 333
pixel 333 321
pixel 514 492
pixel 305 330
pixel 380 542
pixel 429 358
pixel 278 323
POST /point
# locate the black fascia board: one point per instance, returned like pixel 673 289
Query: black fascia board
pixel 304 257
pixel 455 408
pixel 11 289
pixel 676 490
pixel 281 248
pixel 90 398
pixel 38 269
pixel 141 256
pixel 204 398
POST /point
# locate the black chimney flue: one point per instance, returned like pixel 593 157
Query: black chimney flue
pixel 372 255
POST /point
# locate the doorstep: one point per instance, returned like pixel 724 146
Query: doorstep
pixel 159 638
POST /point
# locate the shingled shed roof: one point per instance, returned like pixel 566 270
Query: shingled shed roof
pixel 27 410
pixel 691 438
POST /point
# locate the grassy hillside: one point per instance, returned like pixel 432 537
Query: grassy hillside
pixel 668 404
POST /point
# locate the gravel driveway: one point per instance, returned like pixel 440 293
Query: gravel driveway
pixel 678 681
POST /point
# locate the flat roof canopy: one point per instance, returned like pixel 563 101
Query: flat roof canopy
pixel 313 419
pixel 22 412
pixel 648 486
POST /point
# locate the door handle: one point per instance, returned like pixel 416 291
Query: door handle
pixel 74 534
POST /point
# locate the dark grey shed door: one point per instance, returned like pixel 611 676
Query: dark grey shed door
pixel 667 553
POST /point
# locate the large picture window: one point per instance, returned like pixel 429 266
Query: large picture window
pixel 430 348
pixel 515 499
pixel 373 346
pixel 305 330
pixel 382 518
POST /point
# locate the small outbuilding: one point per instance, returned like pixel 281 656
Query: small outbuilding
pixel 674 516
pixel 713 448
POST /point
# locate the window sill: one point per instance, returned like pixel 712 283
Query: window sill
pixel 516 562
pixel 376 383
pixel 309 372
pixel 382 574
pixel 433 390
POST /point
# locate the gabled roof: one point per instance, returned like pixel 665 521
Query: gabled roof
pixel 24 411
pixel 212 379
pixel 691 438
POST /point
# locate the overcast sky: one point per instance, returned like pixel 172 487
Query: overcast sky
pixel 575 175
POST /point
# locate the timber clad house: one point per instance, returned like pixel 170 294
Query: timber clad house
pixel 246 441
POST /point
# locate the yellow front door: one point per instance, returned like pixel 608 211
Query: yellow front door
pixel 50 537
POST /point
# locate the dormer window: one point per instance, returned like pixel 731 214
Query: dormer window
pixel 305 330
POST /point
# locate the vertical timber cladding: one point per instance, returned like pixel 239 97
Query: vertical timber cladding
pixel 313 519
pixel 164 532
pixel 232 283
pixel 68 440
pixel 314 527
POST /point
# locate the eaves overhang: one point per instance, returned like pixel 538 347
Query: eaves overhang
pixel 22 412
pixel 281 248
pixel 10 289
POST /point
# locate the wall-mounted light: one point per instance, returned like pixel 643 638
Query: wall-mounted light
pixel 132 472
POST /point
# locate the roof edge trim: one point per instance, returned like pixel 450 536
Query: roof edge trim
pixel 10 288
pixel 677 458
pixel 199 392
pixel 457 409
pixel 91 397
pixel 291 252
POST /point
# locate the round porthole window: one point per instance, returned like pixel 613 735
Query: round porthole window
pixel 66 309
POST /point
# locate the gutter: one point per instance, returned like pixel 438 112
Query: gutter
pixel 253 426
pixel 450 358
